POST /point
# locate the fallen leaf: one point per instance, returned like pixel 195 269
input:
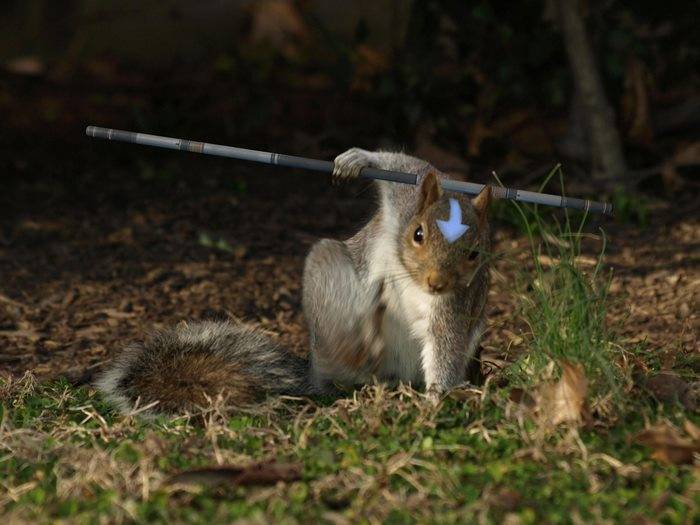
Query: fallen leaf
pixel 255 474
pixel 521 397
pixel 369 63
pixel 279 24
pixel 505 499
pixel 667 387
pixel 122 236
pixel 668 446
pixel 692 430
pixel 116 314
pixel 466 393
pixel 6 299
pixel 563 401
pixel 32 335
pixel 29 66
pixel 636 112
pixel 477 134
pixel 687 154
pixel 88 332
pixel 513 339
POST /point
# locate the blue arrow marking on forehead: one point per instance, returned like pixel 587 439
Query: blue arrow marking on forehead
pixel 453 228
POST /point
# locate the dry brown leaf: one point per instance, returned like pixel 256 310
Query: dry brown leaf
pixel 30 334
pixel 692 430
pixel 6 299
pixel 29 66
pixel 505 499
pixel 513 339
pixel 686 155
pixel 636 111
pixel 279 24
pixel 667 387
pixel 116 314
pixel 521 397
pixel 477 134
pixel 89 331
pixel 563 401
pixel 122 236
pixel 369 63
pixel 256 474
pixel 668 446
pixel 466 393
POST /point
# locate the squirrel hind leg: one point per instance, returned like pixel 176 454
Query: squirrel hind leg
pixel 345 316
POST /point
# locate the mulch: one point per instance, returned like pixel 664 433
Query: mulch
pixel 94 255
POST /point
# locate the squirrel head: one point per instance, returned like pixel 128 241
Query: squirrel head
pixel 435 264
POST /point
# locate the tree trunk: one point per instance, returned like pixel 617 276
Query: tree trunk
pixel 606 146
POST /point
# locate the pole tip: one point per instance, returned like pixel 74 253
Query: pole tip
pixel 90 131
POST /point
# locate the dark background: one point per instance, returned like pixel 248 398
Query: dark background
pixel 99 240
pixel 473 86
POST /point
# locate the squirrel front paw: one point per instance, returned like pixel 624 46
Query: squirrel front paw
pixel 348 165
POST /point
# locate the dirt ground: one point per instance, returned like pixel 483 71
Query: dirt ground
pixel 102 251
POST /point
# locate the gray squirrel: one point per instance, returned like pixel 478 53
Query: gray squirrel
pixel 395 302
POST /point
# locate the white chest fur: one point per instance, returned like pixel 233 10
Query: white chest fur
pixel 405 329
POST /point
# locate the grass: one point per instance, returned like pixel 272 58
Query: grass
pixel 563 302
pixel 563 299
pixel 380 455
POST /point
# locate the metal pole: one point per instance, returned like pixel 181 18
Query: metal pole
pixel 292 161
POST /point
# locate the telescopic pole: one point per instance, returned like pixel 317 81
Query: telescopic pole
pixel 292 161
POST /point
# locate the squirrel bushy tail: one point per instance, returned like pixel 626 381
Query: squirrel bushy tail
pixel 180 367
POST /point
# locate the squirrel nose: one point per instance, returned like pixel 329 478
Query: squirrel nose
pixel 436 283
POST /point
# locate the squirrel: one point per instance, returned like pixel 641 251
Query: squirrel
pixel 396 302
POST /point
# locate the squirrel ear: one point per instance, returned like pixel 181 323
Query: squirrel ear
pixel 430 191
pixel 481 202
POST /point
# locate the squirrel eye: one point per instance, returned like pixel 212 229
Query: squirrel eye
pixel 473 255
pixel 418 235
